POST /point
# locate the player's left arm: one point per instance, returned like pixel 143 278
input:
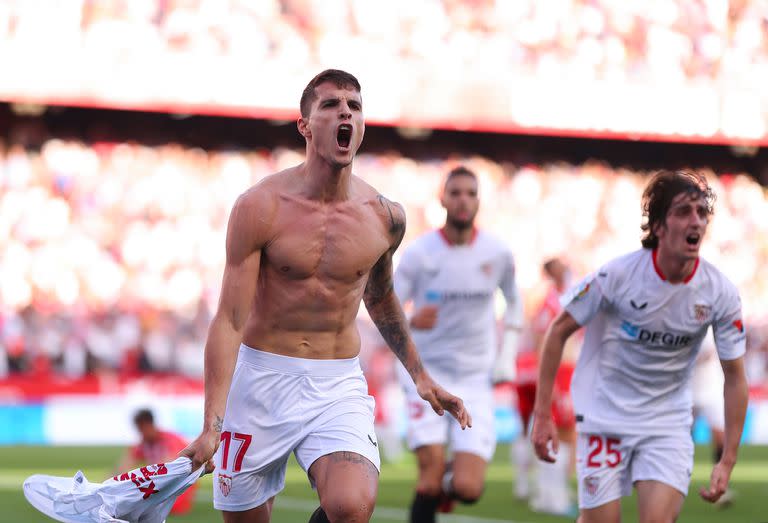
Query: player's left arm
pixel 730 340
pixel 736 394
pixel 387 314
pixel 505 368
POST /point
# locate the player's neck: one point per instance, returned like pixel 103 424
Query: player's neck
pixel 456 236
pixel 325 182
pixel 674 269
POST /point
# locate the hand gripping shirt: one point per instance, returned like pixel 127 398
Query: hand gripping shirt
pixel 143 495
pixel 461 280
pixel 642 338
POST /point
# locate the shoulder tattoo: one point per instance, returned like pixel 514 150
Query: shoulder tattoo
pixel 396 216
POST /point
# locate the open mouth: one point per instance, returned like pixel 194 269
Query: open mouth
pixel 344 135
pixel 692 239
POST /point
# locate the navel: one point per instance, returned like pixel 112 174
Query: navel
pixel 285 268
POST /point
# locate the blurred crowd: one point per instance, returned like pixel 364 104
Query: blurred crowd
pixel 111 254
pixel 659 40
pixel 425 59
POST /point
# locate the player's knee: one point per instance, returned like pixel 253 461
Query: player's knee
pixel 467 490
pixel 356 508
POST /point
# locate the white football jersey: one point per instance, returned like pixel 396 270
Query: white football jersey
pixel 143 495
pixel 461 280
pixel 642 338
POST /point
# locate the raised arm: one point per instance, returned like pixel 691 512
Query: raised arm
pixel 245 238
pixel 387 314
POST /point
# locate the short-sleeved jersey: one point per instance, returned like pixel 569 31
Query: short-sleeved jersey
pixel 642 338
pixel 461 280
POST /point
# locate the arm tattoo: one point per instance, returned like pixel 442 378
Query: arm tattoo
pixel 379 296
pixel 385 311
pixel 218 424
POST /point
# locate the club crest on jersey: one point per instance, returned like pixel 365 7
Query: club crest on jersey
pixel 701 312
pixel 225 484
pixel 591 484
pixel 487 269
pixel 738 324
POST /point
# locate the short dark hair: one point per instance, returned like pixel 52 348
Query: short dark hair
pixel 459 171
pixel 336 76
pixel 143 416
pixel 661 190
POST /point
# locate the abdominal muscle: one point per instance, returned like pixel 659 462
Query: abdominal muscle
pixel 305 319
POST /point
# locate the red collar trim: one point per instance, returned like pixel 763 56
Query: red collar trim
pixel 661 274
pixel 449 242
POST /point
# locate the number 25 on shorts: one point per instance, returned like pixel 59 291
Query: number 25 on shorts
pixel 612 457
pixel 226 439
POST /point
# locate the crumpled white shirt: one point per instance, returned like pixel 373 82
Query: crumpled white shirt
pixel 143 495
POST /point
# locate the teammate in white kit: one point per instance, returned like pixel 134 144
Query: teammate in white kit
pixel 451 276
pixel 646 314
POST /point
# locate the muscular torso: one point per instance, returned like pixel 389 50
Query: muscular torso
pixel 313 272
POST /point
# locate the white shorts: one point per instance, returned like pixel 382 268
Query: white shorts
pixel 425 427
pixel 608 465
pixel 278 405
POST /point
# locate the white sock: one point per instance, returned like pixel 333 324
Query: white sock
pixel 520 452
pixel 552 493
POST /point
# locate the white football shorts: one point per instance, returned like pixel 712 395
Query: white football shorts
pixel 278 405
pixel 608 465
pixel 425 427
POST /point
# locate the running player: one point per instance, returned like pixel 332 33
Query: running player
pixel 646 314
pixel 451 276
pixel 304 247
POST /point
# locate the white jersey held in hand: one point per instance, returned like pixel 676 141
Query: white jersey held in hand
pixel 642 338
pixel 143 495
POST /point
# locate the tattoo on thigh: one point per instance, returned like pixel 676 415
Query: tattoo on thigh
pixel 354 458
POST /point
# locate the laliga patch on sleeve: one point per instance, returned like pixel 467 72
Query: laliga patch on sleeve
pixel 578 292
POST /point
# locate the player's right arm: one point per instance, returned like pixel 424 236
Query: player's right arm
pixel 246 235
pixel 544 429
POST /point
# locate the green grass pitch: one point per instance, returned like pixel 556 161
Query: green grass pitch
pixel 750 482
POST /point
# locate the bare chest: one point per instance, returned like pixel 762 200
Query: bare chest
pixel 338 242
